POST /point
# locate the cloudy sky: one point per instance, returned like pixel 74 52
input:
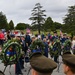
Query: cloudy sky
pixel 20 10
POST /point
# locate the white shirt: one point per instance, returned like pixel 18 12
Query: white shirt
pixel 73 44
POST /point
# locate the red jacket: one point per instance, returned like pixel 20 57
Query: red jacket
pixel 2 36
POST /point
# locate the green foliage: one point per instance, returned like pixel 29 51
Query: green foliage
pixel 34 27
pixel 69 20
pixel 38 16
pixel 37 45
pixel 11 25
pixel 3 21
pixel 70 16
pixel 55 48
pixel 22 26
pixel 9 47
pixel 48 24
pixel 57 25
pixel 67 46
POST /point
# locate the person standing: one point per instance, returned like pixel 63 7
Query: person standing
pixel 24 49
pixel 55 36
pixel 28 39
pixel 63 38
pixel 46 47
pixel 8 35
pixel 68 63
pixel 2 38
pixel 18 65
pixel 73 45
pixel 24 45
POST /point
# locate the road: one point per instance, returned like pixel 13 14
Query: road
pixel 10 70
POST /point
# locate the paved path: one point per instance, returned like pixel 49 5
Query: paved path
pixel 11 71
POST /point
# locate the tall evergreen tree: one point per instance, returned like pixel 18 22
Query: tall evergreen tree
pixel 48 24
pixel 57 25
pixel 3 21
pixel 69 20
pixel 70 16
pixel 38 16
pixel 11 25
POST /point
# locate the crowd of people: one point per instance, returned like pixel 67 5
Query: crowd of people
pixel 54 44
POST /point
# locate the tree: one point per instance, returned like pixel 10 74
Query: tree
pixel 38 16
pixel 57 25
pixel 69 19
pixel 48 24
pixel 70 16
pixel 11 25
pixel 3 21
pixel 22 26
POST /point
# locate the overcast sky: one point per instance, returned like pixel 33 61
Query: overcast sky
pixel 20 10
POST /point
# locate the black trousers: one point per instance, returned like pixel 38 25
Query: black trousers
pixel 56 59
pixel 19 65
